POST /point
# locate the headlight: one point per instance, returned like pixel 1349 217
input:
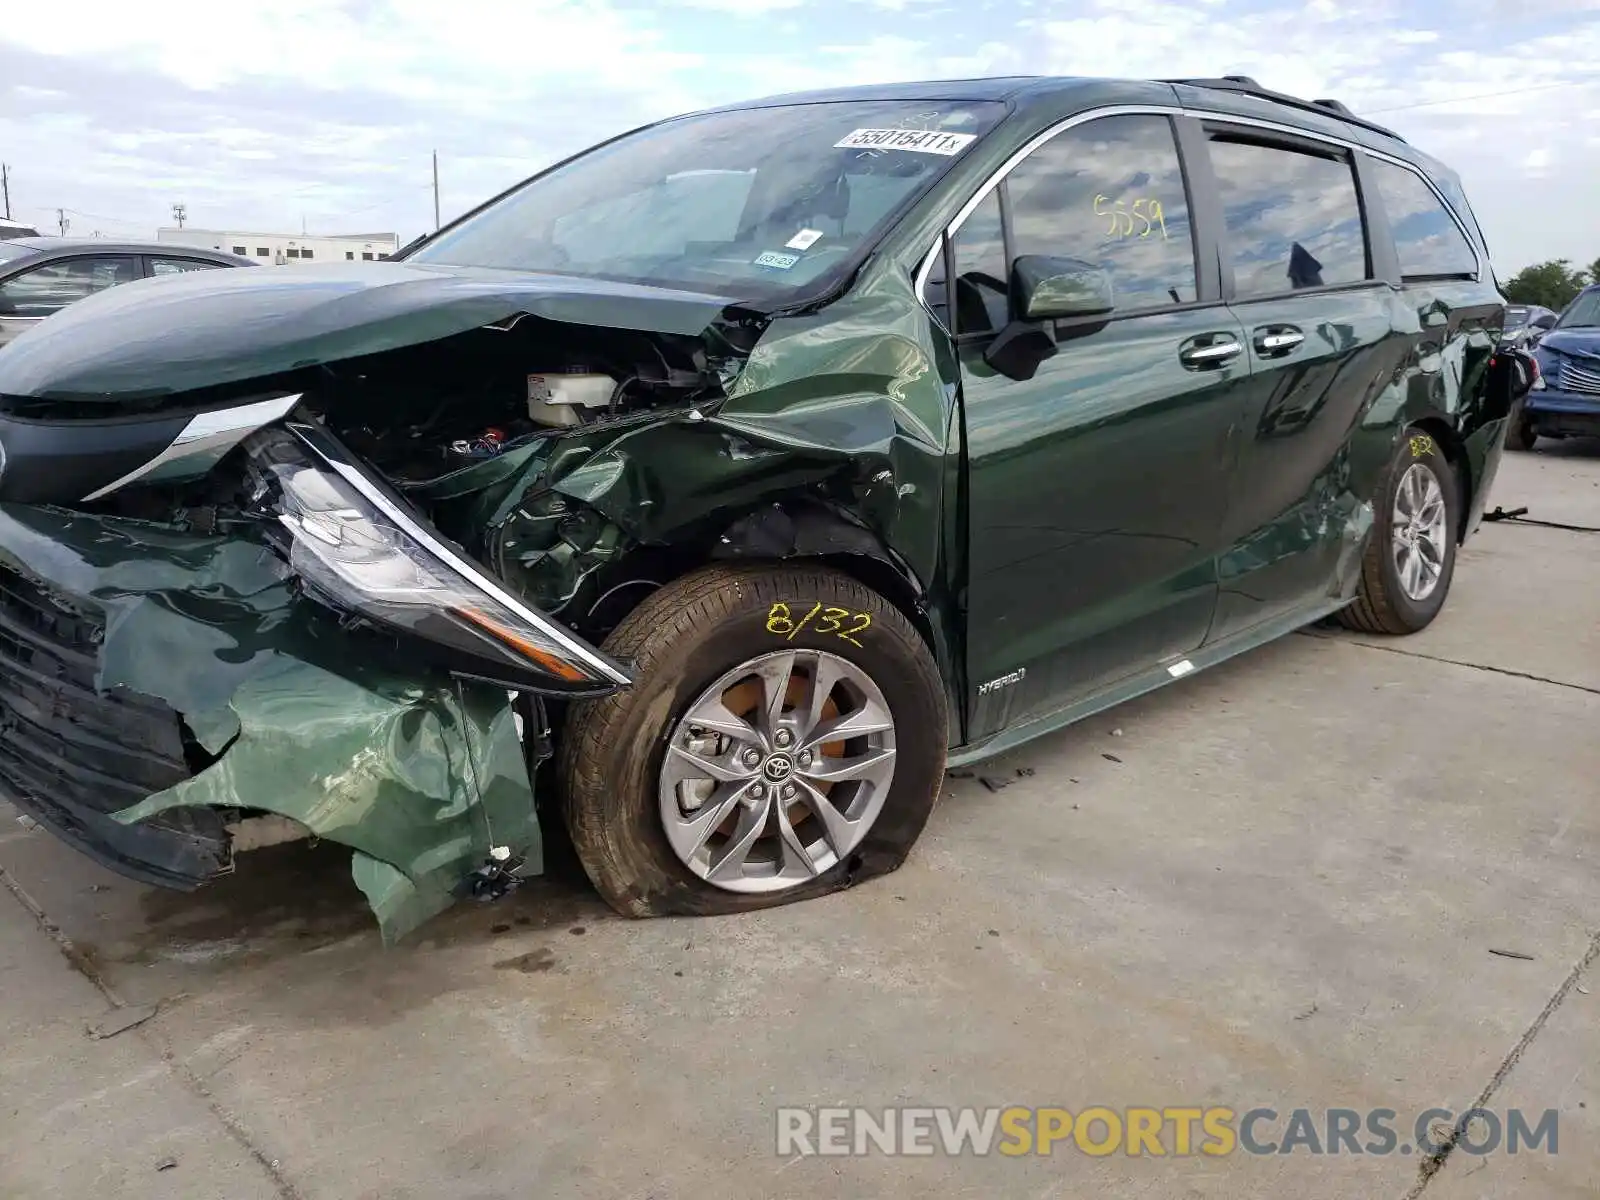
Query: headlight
pixel 355 541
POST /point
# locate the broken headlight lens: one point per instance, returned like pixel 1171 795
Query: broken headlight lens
pixel 355 542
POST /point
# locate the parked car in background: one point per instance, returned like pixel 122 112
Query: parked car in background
pixel 1565 400
pixel 724 484
pixel 40 276
pixel 1526 324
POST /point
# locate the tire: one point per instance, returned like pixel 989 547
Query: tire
pixel 1382 603
pixel 1519 429
pixel 682 640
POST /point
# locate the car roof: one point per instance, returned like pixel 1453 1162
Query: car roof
pixel 1231 92
pixel 56 245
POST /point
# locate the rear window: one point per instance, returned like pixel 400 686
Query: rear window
pixel 1426 237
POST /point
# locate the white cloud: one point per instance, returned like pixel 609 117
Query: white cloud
pixel 261 112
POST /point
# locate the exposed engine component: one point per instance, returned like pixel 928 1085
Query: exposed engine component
pixel 557 399
pixel 425 411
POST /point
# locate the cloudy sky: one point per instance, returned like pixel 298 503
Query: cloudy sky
pixel 270 114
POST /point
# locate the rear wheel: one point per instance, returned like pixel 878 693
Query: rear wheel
pixel 785 738
pixel 1410 560
pixel 1519 429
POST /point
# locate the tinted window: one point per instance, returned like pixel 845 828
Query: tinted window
pixel 1427 240
pixel 46 289
pixel 238 249
pixel 262 252
pixel 1110 192
pixel 1293 218
pixel 757 202
pixel 174 266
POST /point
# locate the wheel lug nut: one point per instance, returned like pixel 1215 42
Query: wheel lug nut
pixel 783 738
pixel 758 791
pixel 805 758
pixel 751 757
pixel 788 791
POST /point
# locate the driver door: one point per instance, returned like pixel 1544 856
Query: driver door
pixel 1096 488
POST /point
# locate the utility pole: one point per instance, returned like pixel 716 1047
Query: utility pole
pixel 61 220
pixel 5 187
pixel 179 212
pixel 436 191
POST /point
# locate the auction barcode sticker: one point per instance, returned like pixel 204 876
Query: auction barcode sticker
pixel 922 141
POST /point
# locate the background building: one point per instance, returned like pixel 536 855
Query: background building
pixel 287 248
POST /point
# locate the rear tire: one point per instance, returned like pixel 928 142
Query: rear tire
pixel 1410 558
pixel 1519 429
pixel 634 817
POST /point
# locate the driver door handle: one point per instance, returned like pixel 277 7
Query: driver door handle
pixel 1209 351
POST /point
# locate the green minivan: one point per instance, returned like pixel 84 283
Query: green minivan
pixel 704 497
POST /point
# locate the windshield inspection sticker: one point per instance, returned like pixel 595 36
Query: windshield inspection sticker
pixel 922 141
pixel 804 240
pixel 771 258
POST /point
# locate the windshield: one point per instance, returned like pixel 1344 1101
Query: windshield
pixel 758 203
pixel 10 251
pixel 1583 313
pixel 1516 317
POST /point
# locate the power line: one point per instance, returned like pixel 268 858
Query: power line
pixel 1538 87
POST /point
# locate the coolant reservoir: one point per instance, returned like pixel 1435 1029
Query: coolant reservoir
pixel 556 399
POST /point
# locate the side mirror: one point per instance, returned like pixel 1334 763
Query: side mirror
pixel 1044 288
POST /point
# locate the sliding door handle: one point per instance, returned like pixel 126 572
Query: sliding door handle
pixel 1275 340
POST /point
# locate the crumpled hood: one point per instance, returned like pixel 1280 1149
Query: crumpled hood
pixel 1580 343
pixel 201 329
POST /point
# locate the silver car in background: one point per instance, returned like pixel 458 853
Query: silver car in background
pixel 40 276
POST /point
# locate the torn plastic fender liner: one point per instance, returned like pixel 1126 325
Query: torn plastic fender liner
pixel 420 774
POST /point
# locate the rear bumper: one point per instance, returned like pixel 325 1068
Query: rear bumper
pixel 155 683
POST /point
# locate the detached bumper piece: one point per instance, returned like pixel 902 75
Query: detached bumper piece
pixel 70 757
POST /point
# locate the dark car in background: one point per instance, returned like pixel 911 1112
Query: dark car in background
pixel 40 276
pixel 1565 399
pixel 1525 325
pixel 723 484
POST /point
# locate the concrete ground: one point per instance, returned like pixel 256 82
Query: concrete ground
pixel 1278 883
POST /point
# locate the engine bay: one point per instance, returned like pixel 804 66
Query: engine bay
pixel 425 411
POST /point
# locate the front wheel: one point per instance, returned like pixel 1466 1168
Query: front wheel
pixel 1411 557
pixel 785 738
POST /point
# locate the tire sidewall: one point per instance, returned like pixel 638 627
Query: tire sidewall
pixel 660 699
pixel 1417 447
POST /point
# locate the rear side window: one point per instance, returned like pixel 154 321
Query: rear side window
pixel 1110 192
pixel 1293 217
pixel 1427 239
pixel 177 266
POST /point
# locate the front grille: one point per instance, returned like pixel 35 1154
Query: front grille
pixel 1574 378
pixel 63 746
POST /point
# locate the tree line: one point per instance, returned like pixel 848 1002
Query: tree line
pixel 1552 284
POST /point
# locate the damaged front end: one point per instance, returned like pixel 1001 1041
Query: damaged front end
pixel 311 553
pixel 312 655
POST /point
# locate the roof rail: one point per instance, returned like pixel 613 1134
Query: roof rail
pixel 1246 86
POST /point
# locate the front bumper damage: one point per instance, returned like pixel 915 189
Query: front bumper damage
pixel 142 660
